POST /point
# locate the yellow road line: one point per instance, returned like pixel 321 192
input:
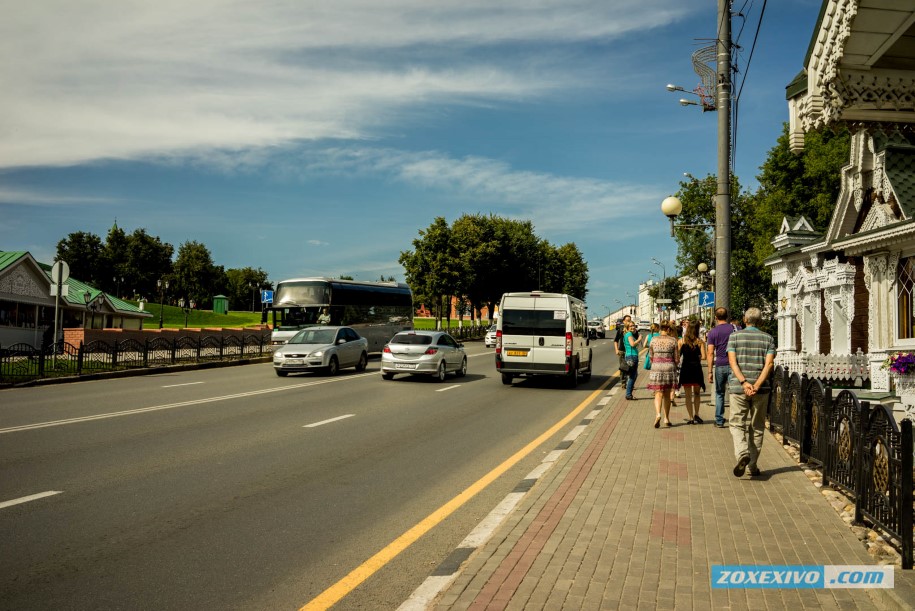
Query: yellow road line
pixel 350 582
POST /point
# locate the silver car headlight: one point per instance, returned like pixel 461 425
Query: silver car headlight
pixel 317 353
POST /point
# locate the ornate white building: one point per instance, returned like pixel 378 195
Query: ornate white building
pixel 846 295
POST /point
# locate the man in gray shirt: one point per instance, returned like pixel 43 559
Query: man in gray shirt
pixel 751 354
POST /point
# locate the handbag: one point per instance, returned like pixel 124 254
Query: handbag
pixel 647 361
pixel 624 365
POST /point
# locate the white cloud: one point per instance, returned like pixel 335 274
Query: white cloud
pixel 553 203
pixel 39 197
pixel 135 79
pixel 318 243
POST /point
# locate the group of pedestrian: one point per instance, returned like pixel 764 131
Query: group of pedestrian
pixel 739 360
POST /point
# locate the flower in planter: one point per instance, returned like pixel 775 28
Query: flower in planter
pixel 901 363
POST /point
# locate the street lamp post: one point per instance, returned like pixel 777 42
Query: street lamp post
pixel 663 283
pixel 163 287
pixel 722 89
pixel 92 305
pixel 253 295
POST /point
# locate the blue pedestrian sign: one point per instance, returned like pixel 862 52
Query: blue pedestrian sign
pixel 266 296
pixel 706 299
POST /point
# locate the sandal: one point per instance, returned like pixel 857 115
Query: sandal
pixel 668 423
pixel 657 422
pixel 697 419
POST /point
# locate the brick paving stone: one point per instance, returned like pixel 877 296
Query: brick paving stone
pixel 633 517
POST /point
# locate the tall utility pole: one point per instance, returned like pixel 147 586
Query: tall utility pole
pixel 723 197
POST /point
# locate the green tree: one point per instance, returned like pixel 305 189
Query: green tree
pixel 574 271
pixel 670 288
pixel 82 251
pixel 195 276
pixel 149 259
pixel 792 184
pixel 432 268
pixel 243 287
pixel 118 276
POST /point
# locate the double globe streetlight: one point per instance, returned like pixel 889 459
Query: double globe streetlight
pixel 671 207
pixel 92 305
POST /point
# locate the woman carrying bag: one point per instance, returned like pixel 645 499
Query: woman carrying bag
pixel 631 343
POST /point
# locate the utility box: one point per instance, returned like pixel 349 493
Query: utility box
pixel 220 304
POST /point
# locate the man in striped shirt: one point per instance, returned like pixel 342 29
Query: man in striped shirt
pixel 751 354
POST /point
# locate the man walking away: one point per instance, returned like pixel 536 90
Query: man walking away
pixel 718 366
pixel 751 354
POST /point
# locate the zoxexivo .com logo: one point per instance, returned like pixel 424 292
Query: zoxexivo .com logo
pixel 801 576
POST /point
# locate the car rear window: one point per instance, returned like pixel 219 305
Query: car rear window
pixel 532 322
pixel 410 338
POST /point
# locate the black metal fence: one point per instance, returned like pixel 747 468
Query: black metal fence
pixel 859 447
pixel 23 362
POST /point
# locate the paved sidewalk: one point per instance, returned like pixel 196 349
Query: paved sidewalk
pixel 634 517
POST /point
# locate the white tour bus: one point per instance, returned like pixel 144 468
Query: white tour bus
pixel 376 310
pixel 542 334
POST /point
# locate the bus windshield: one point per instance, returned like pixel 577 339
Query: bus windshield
pixel 375 310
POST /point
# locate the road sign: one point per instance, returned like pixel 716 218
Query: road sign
pixel 60 271
pixel 706 299
pixel 266 296
pixel 662 300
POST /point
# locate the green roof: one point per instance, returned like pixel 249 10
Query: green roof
pixel 77 288
pixel 8 258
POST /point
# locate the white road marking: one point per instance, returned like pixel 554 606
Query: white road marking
pixel 155 408
pixel 309 426
pixel 185 384
pixel 26 499
pixel 449 388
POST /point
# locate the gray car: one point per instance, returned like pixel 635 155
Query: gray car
pixel 423 352
pixel 326 349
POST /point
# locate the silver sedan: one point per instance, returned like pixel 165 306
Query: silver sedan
pixel 423 352
pixel 321 348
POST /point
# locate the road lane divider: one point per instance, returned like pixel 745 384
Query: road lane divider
pixel 328 421
pixel 155 408
pixel 452 387
pixel 31 497
pixel 185 384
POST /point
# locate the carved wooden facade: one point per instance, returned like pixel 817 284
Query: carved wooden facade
pixel 849 291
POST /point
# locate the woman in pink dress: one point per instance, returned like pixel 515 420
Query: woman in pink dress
pixel 665 355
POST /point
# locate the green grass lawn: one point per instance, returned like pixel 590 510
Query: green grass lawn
pixel 173 318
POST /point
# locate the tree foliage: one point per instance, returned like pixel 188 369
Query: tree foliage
pixel 789 185
pixel 82 251
pixel 478 258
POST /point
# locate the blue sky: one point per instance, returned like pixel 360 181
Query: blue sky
pixel 317 138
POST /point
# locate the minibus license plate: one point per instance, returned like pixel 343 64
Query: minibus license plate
pixel 516 352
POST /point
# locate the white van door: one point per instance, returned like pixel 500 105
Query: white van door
pixel 534 331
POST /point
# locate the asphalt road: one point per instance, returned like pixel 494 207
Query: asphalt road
pixel 234 488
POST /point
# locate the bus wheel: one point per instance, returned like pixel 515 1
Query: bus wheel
pixel 333 368
pixel 363 362
pixel 507 378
